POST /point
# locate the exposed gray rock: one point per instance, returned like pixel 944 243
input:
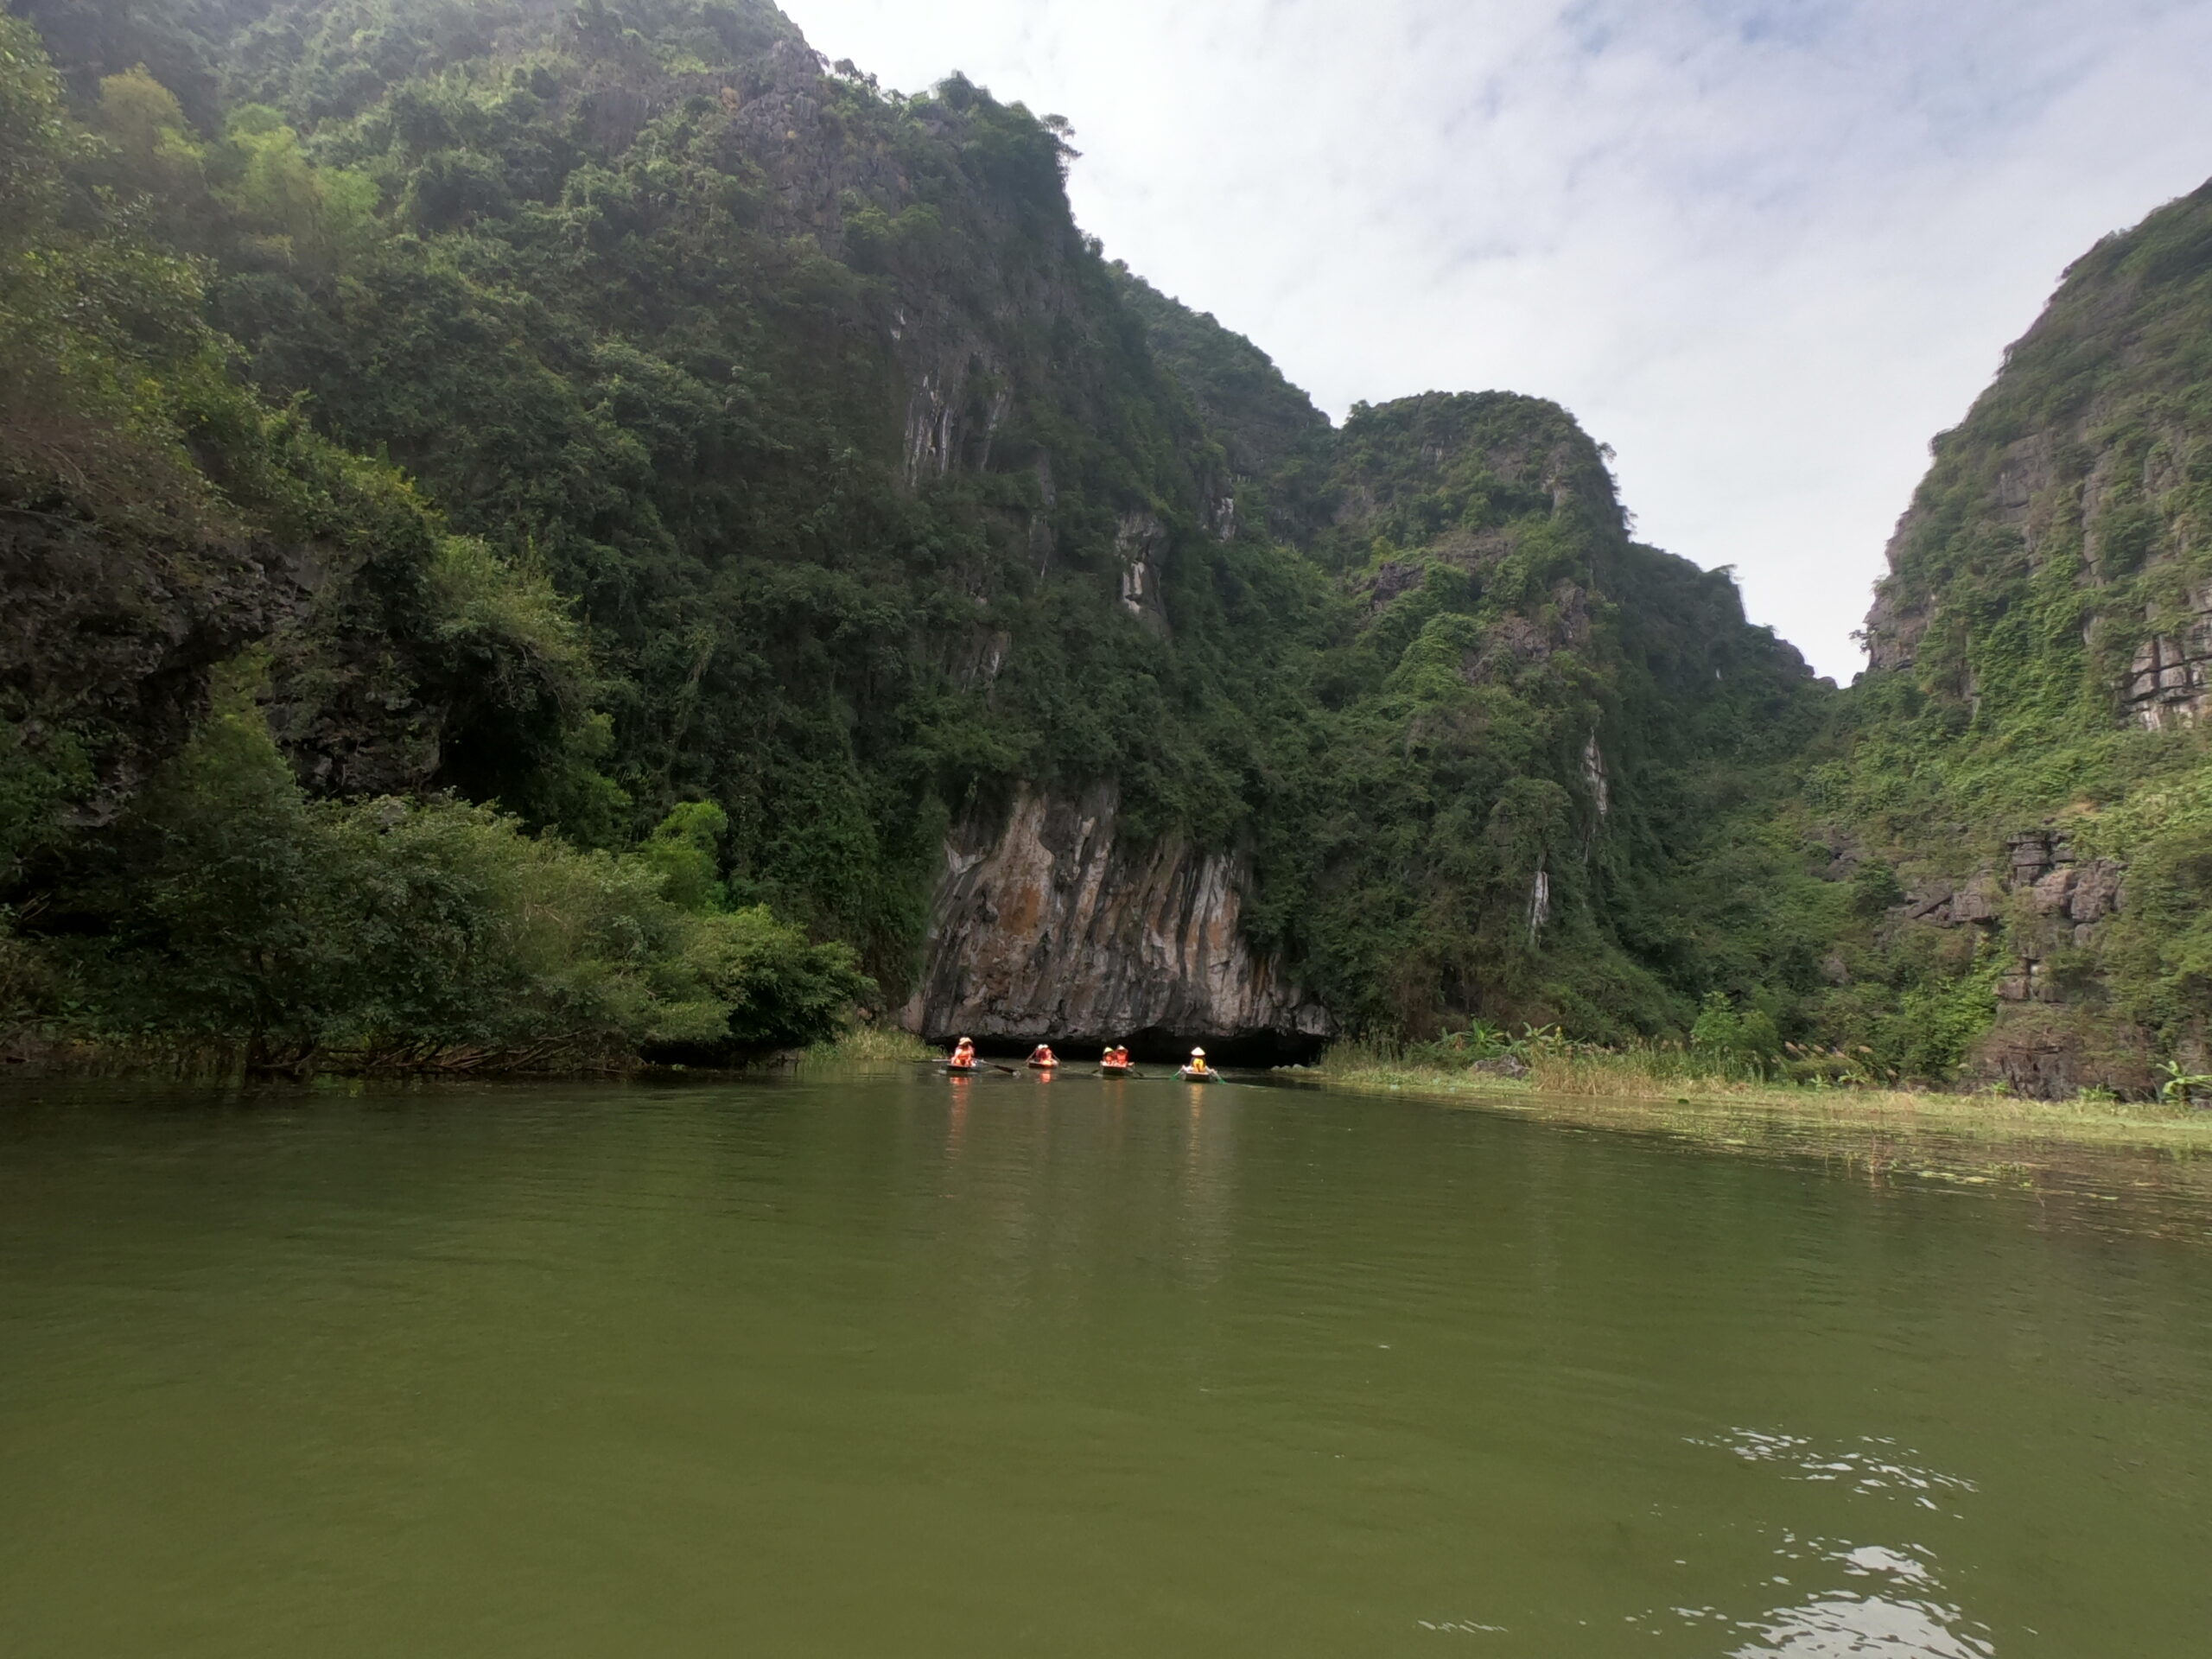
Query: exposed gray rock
pixel 2032 853
pixel 1980 900
pixel 2051 894
pixel 112 631
pixel 2096 894
pixel 1539 905
pixel 1141 550
pixel 1930 902
pixel 2169 682
pixel 1390 580
pixel 1899 615
pixel 1047 924
pixel 116 631
pixel 1594 775
pixel 987 660
pixel 2047 1052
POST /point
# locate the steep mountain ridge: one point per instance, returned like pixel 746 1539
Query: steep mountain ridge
pixel 2028 746
pixel 772 459
pixel 894 515
pixel 2077 469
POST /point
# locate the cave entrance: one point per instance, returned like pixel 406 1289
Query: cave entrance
pixel 1163 1046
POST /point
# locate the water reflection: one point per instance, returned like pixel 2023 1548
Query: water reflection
pixel 1841 1626
pixel 1209 1165
pixel 1111 1367
pixel 1875 1464
pixel 1903 1612
pixel 1898 1605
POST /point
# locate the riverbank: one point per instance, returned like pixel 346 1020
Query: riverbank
pixel 870 1048
pixel 35 1058
pixel 1610 1092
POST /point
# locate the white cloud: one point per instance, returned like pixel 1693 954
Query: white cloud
pixel 1766 251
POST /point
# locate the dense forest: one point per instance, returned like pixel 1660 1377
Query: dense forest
pixel 527 524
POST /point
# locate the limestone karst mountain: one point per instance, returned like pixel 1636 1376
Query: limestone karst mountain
pixel 2032 725
pixel 611 414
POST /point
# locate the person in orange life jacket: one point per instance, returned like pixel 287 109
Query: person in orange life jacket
pixel 964 1053
pixel 1042 1055
pixel 1197 1059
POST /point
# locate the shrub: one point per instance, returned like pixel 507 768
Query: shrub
pixel 1729 1034
pixel 244 916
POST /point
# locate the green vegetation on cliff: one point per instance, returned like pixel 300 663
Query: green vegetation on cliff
pixel 2021 779
pixel 744 437
pixel 528 494
pixel 169 529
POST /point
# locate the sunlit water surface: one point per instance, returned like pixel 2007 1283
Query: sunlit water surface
pixel 906 1367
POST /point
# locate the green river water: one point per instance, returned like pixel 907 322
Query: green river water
pixel 905 1367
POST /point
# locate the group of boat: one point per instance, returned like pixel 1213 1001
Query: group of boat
pixel 1114 1063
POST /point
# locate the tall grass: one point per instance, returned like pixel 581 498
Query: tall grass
pixel 1544 1060
pixel 1661 1068
pixel 870 1048
pixel 1656 1079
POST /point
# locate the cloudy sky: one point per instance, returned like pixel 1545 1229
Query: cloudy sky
pixel 1765 248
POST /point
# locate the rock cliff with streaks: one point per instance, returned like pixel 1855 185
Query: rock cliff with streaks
pixel 1050 924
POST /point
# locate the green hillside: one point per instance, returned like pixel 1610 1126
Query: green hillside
pixel 2030 732
pixel 532 522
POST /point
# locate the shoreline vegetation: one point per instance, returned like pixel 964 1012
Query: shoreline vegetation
pixel 869 1048
pixel 245 927
pixel 1671 1088
pixel 859 1047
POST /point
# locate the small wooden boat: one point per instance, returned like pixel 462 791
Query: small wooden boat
pixel 954 1069
pixel 1115 1071
pixel 1044 1065
pixel 1189 1075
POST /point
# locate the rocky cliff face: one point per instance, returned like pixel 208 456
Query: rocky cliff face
pixel 2042 649
pixel 1050 923
pixel 2169 682
pixel 2073 498
pixel 109 637
pixel 1275 447
pixel 877 488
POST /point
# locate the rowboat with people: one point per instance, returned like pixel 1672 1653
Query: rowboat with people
pixel 1112 1062
pixel 964 1062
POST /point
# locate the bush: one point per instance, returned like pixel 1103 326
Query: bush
pixel 686 850
pixel 1732 1035
pixel 243 916
pixel 1936 1022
